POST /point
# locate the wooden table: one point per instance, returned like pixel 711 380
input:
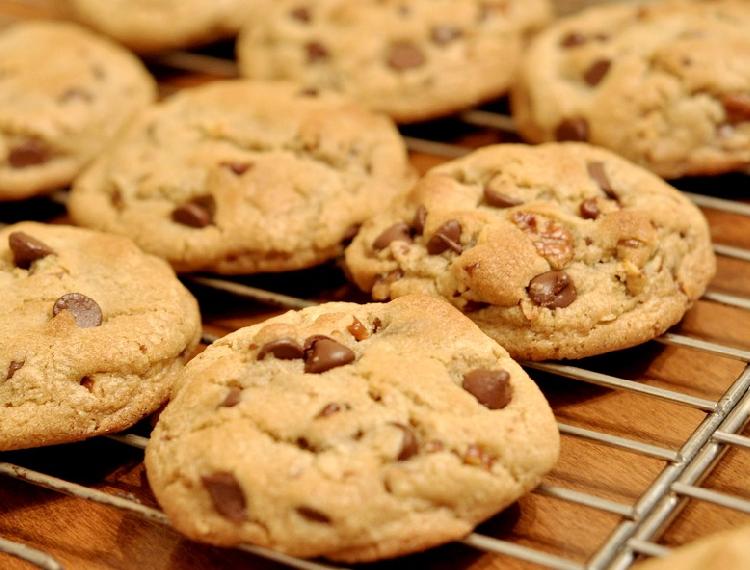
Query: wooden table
pixel 83 534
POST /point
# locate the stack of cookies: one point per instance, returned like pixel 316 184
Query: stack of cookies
pixel 350 431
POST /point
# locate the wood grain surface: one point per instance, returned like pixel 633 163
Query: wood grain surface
pixel 82 534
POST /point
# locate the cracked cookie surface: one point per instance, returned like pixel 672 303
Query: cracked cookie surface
pixel 666 85
pixel 354 432
pixel 412 60
pixel 148 26
pixel 240 177
pixel 59 105
pixel 94 334
pixel 563 250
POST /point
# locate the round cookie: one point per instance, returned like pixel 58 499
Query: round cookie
pixel 148 26
pixel 241 176
pixel 666 85
pixel 94 334
pixel 354 432
pixel 556 251
pixel 413 61
pixel 728 550
pixel 64 93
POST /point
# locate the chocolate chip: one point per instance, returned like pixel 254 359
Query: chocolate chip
pixel 313 515
pixel 552 289
pixel 572 129
pixel 404 55
pixel 381 289
pixel 358 330
pixel 596 72
pixel 301 14
pixel 232 398
pixel 329 410
pixel 88 383
pixel 409 444
pixel 30 152
pixel 26 249
pixel 599 175
pixel 499 200
pixel 197 213
pixel 589 209
pixel 419 219
pixel 350 233
pixel 377 325
pixel 397 232
pixel 474 306
pixel 446 237
pixel 75 93
pixel 85 310
pixel 282 348
pixel 443 35
pixel 491 388
pixel 572 39
pixel 324 354
pixel 737 107
pixel 316 52
pixel 239 168
pixel 14 367
pixel 226 495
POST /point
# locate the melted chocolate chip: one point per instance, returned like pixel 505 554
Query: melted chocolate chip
pixel 443 35
pixel 404 55
pixel 446 237
pixel 552 289
pixel 737 108
pixel 397 232
pixel 409 444
pixel 316 52
pixel 301 14
pixel 499 200
pixel 324 354
pixel 282 348
pixel 85 310
pixel 329 410
pixel 14 367
pixel 232 398
pixel 599 175
pixel 26 249
pixel 239 168
pixel 491 388
pixel 226 495
pixel 30 152
pixel 358 330
pixel 197 213
pixel 596 72
pixel 572 39
pixel 419 219
pixel 589 209
pixel 572 129
pixel 313 515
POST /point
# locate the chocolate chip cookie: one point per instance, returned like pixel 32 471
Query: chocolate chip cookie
pixel 412 60
pixel 558 251
pixel 240 177
pixel 64 94
pixel 94 334
pixel 148 26
pixel 726 550
pixel 354 432
pixel 664 84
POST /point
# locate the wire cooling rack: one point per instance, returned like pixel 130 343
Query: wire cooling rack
pixel 641 523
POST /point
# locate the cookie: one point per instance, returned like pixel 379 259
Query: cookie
pixel 148 26
pixel 353 432
pixel 558 251
pixel 666 85
pixel 413 61
pixel 94 334
pixel 64 94
pixel 241 177
pixel 728 550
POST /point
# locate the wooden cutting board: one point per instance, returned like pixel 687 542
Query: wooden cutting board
pixel 83 534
